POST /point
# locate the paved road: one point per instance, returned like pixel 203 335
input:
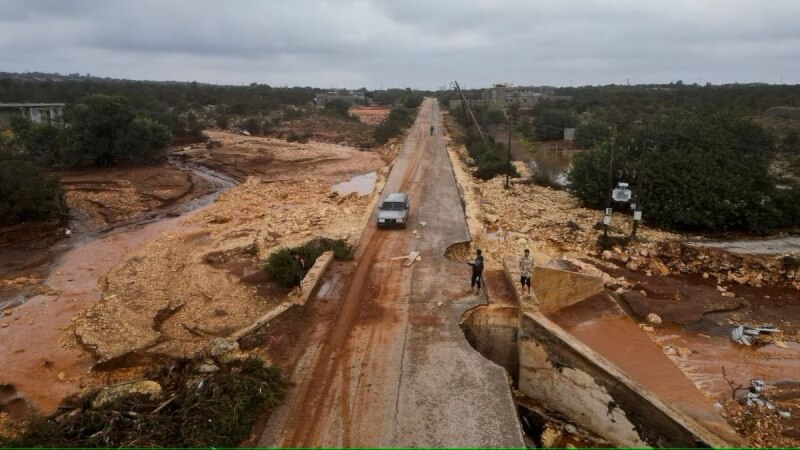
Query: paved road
pixel 393 368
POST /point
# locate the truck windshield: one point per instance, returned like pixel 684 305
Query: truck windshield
pixel 394 206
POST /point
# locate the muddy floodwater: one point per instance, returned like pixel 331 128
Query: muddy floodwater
pixel 36 360
pixel 40 359
pixel 361 185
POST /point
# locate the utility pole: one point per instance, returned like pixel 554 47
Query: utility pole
pixel 637 211
pixel 475 121
pixel 607 215
pixel 508 168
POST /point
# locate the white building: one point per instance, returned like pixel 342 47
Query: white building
pixel 36 112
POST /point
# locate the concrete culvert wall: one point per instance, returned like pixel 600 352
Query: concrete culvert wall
pixel 563 374
pixel 492 331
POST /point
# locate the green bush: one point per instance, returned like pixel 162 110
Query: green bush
pixel 99 130
pixel 338 107
pixel 491 160
pixel 549 123
pixel 701 172
pixel 591 134
pixel 394 124
pixel 412 101
pixel 279 263
pixel 28 194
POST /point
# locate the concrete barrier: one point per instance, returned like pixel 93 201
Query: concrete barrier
pixel 309 284
pixel 563 374
pixel 313 276
pixel 551 289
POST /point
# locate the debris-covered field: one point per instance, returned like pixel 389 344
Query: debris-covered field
pixel 199 402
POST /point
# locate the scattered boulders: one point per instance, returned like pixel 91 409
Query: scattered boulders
pixel 224 350
pixel 654 318
pixel 551 436
pixel 111 394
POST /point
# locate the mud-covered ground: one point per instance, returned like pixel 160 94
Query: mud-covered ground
pixel 322 126
pixel 99 200
pixel 168 287
pixel 186 287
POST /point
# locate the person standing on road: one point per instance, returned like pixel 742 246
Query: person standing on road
pixel 431 130
pixel 525 270
pixel 477 271
pixel 297 268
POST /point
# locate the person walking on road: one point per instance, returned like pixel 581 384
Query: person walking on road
pixel 477 271
pixel 431 130
pixel 525 270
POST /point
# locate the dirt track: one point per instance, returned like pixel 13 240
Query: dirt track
pixel 387 365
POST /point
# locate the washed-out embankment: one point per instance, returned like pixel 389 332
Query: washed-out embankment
pixel 608 382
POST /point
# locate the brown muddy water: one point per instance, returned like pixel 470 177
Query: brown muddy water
pixel 36 360
pixel 361 185
pixel 40 360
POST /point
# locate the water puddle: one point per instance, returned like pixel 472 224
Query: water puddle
pixel 361 184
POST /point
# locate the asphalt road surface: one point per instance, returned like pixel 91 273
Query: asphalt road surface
pixel 391 368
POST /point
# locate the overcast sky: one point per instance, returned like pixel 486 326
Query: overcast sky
pixel 414 43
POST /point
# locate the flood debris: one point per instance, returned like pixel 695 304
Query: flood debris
pixel 748 335
pixel 176 405
pixel 755 396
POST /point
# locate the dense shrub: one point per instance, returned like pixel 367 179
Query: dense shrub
pixel 394 124
pixel 549 123
pixel 252 125
pixel 412 101
pixel 28 194
pixel 701 172
pixel 590 134
pixel 100 130
pixel 491 160
pixel 279 263
pixel 338 107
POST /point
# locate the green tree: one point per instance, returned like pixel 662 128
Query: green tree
pixel 494 116
pixel 27 194
pixel 549 123
pixel 338 107
pixel 589 134
pixel 701 172
pixel 412 101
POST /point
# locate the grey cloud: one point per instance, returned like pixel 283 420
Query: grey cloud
pixel 419 43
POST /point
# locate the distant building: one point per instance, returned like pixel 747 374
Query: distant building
pixel 506 94
pixel 569 134
pixel 456 103
pixel 503 95
pixel 36 112
pixel 352 97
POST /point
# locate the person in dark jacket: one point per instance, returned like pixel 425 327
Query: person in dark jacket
pixel 298 269
pixel 477 271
